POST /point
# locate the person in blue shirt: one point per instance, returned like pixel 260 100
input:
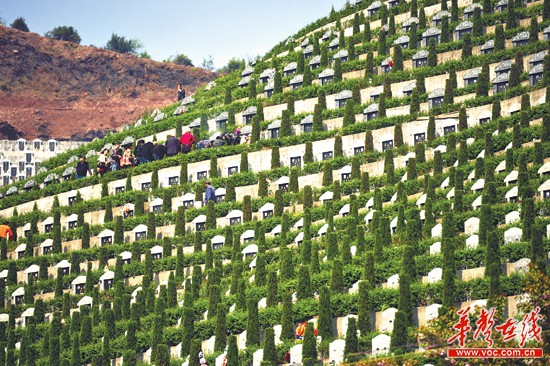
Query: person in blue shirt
pixel 209 194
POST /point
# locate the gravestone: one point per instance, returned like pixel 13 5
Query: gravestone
pixel 208 345
pixel 388 316
pixel 522 265
pixel 257 357
pixel 435 248
pixel 393 281
pixel 436 231
pixel 432 312
pixel 381 344
pixel 513 234
pixel 220 359
pixel 435 275
pixel 471 226
pixel 277 330
pixel 241 340
pixel 296 354
pixel 512 217
pixel 344 321
pixel 472 242
pixel 336 351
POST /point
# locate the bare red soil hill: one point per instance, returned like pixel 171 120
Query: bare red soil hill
pixel 61 90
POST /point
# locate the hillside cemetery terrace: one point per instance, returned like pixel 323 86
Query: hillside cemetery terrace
pixel 398 171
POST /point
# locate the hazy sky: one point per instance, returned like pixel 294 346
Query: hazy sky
pixel 223 29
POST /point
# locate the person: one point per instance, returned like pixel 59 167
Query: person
pixel 145 152
pixel 128 158
pixel 159 151
pixel 187 140
pixel 102 162
pixel 116 155
pixel 173 146
pixel 237 133
pixel 209 193
pixel 82 168
pixel 203 144
pixel 218 142
pixel 181 92
pixel 5 231
pixel 137 151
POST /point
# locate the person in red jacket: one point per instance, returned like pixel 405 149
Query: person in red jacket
pixel 5 232
pixel 187 140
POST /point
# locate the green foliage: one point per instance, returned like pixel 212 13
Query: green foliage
pixel 349 114
pixel 432 53
pixel 309 350
pixel 178 59
pixel 325 314
pixel 121 44
pixel 275 157
pixel 20 24
pixel 64 33
pixel 252 325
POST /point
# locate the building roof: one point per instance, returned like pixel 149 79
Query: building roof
pixel 521 36
pixel 441 14
pixel 275 124
pixel 344 94
pixel 437 93
pixel 464 25
pixel 326 73
pixel 371 108
pixel 539 56
pixel 502 78
pixel 248 70
pixel 420 55
pixel 402 40
pixel 472 73
pixel 296 79
pixel 340 54
pixel 250 110
pixel 504 65
pixel 291 66
pixel 433 31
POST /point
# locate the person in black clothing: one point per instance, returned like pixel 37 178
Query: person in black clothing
pixel 159 151
pixel 181 92
pixel 146 152
pixel 82 168
pixel 173 146
pixel 137 151
pixel 116 155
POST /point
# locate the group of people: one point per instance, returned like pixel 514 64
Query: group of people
pixel 121 157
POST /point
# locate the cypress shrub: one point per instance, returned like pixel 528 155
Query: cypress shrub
pixel 515 74
pixel 308 154
pixel 309 350
pixel 211 216
pixel 431 128
pixel 349 114
pixel 244 162
pixel 325 314
pixel 369 144
pixel 262 185
pixel 270 351
pixel 275 158
pixel 247 209
pixel 398 58
pixel 432 53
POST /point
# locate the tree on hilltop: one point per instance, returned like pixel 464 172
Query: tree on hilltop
pixel 121 44
pixel 64 33
pixel 180 59
pixel 20 24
